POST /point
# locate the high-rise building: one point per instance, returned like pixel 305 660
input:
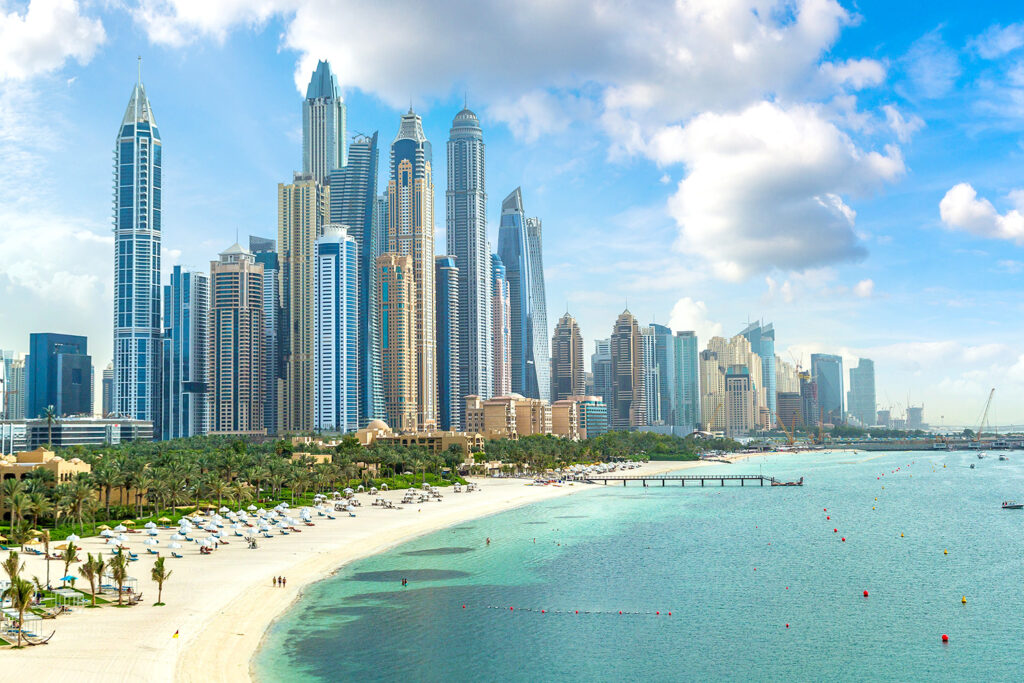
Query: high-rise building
pixel 601 367
pixel 915 416
pixel 449 324
pixel 741 409
pixel 107 391
pixel 466 231
pixel 501 329
pixel 685 380
pixel 579 417
pixel 787 377
pixel 336 332
pixel 567 359
pixel 410 232
pixel 355 204
pixel 762 342
pixel 827 370
pixel 790 407
pixel 628 407
pixel 884 418
pixel 8 392
pixel 302 208
pixel 860 401
pixel 138 162
pixel 236 343
pixel 738 351
pixel 809 407
pixel 265 252
pixel 323 125
pixel 59 374
pixel 712 392
pixel 17 395
pixel 652 375
pixel 663 357
pixel 184 409
pixel 397 301
pixel 519 243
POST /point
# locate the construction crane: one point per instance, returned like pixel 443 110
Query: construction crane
pixel 714 417
pixel 789 435
pixel 984 415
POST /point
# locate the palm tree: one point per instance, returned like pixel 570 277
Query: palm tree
pixel 160 574
pixel 81 497
pixel 45 538
pixel 20 506
pixel 40 505
pixel 106 478
pixel 9 488
pixel 11 567
pixel 70 556
pixel 21 593
pixel 50 415
pixel 92 570
pixel 119 572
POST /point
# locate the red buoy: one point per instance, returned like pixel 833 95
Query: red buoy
pixel 865 594
pixel 670 614
pixel 620 611
pixel 945 638
pixel 828 516
pixel 844 539
pixel 463 607
pixel 657 612
pixel 835 531
pixel 787 625
pixel 509 609
pixel 824 509
pixel 543 611
pixel 577 611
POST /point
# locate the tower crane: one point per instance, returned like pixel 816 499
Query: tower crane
pixel 984 415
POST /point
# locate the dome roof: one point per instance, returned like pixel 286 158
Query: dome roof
pixel 378 425
pixel 466 119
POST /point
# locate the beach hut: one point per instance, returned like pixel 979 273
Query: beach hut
pixel 31 626
pixel 130 585
pixel 66 597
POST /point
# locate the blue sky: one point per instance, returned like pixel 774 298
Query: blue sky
pixel 847 171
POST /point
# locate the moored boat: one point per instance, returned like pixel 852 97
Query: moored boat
pixel 1012 505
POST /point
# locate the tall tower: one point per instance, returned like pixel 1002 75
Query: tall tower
pixel 449 325
pixel 628 406
pixel 567 360
pixel 686 383
pixel 336 367
pixel 236 343
pixel 762 342
pixel 323 125
pixel 466 223
pixel 410 233
pixel 538 309
pixel 186 316
pixel 827 370
pixel 354 205
pixel 860 399
pixel 138 159
pixel 301 214
pixel 265 252
pixel 501 322
pixel 652 370
pixel 601 367
pixel 396 299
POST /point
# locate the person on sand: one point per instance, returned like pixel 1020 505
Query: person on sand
pixel 284 582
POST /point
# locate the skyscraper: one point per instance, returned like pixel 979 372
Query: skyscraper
pixel 567 359
pixel 686 384
pixel 741 409
pixel 449 326
pixel 265 252
pixel 762 342
pixel 738 351
pixel 664 360
pixel 466 223
pixel 301 214
pixel 59 374
pixel 336 332
pixel 861 399
pixel 410 232
pixel 501 329
pixel 628 407
pixel 712 391
pixel 323 125
pixel 827 370
pixel 397 301
pixel 236 343
pixel 519 242
pixel 17 395
pixel 107 391
pixel 184 406
pixel 138 161
pixel 601 367
pixel 6 384
pixel 354 204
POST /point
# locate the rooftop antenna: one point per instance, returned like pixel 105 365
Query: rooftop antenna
pixel 140 69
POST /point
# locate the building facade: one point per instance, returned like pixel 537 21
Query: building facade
pixel 628 407
pixel 601 367
pixel 184 409
pixel 336 332
pixel 790 409
pixel 466 235
pixel 323 125
pixel 397 304
pixel 138 183
pixel 741 409
pixel 762 342
pixel 507 417
pixel 579 417
pixel 410 232
pixel 860 400
pixel 236 343
pixel 354 204
pixel 59 374
pixel 567 376
pixel 827 370
pixel 685 380
pixel 712 392
pixel 107 391
pixel 265 252
pixel 501 321
pixel 449 325
pixel 17 393
pixel 809 407
pixel 652 368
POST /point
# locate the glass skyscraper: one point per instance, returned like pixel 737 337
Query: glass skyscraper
pixel 860 401
pixel 828 374
pixel 762 342
pixel 184 406
pixel 446 279
pixel 466 223
pixel 323 125
pixel 59 374
pixel 265 252
pixel 501 316
pixel 335 356
pixel 686 385
pixel 138 162
pixel 354 204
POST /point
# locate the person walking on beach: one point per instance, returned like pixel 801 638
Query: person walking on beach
pixel 284 582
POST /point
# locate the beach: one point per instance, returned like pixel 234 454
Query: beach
pixel 221 604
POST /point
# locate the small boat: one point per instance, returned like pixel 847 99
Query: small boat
pixel 1012 505
pixel 981 455
pixel 1003 457
pixel 972 465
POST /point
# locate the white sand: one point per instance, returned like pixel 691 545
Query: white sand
pixel 223 603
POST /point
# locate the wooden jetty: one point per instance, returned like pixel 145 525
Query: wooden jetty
pixel 760 479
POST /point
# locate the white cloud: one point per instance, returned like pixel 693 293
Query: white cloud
pixel 997 41
pixel 765 188
pixel 46 35
pixel 864 289
pixel 855 73
pixel 903 127
pixel 179 22
pixel 932 67
pixel 688 314
pixel 961 209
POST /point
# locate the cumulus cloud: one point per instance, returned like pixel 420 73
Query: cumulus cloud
pixel 688 314
pixel 998 40
pixel 903 127
pixel 855 73
pixel 765 188
pixel 47 34
pixel 932 66
pixel 962 209
pixel 864 289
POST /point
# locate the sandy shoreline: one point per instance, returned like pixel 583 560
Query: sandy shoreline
pixel 222 604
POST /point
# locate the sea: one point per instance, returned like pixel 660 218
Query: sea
pixel 715 583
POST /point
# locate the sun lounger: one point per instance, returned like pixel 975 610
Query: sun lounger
pixel 151 551
pixel 174 554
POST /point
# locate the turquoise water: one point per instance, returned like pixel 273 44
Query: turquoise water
pixel 733 565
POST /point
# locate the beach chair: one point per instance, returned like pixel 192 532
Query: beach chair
pixel 331 517
pixel 237 532
pixel 174 554
pixel 151 551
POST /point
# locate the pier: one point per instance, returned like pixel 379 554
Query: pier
pixel 760 479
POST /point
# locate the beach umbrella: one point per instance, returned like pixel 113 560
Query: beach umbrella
pixel 174 546
pixel 69 577
pixel 33 541
pixel 36 532
pixel 384 487
pixel 151 541
pixel 152 532
pixel 350 508
pixel 284 505
pixel 129 522
pixel 120 527
pixel 251 507
pixel 122 537
pixel 106 533
pixel 103 527
pixel 62 546
pixel 113 541
pixel 164 520
pixel 349 491
pixel 72 538
pixel 150 525
pixel 224 509
pixel 177 537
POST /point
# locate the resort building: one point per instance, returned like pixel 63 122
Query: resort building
pixel 377 431
pixel 579 417
pixel 17 466
pixel 507 417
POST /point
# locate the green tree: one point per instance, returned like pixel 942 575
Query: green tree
pixel 119 572
pixel 50 415
pixel 160 574
pixel 20 593
pixel 69 556
pixel 92 571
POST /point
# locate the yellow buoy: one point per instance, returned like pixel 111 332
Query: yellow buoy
pixel 901 535
pixel 963 600
pixel 876 499
pixel 945 552
pixel 872 507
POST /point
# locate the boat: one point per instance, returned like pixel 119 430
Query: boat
pixel 1012 505
pixel 800 482
pixel 972 465
pixel 981 455
pixel 1003 457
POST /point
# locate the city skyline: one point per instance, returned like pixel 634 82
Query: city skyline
pixel 950 355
